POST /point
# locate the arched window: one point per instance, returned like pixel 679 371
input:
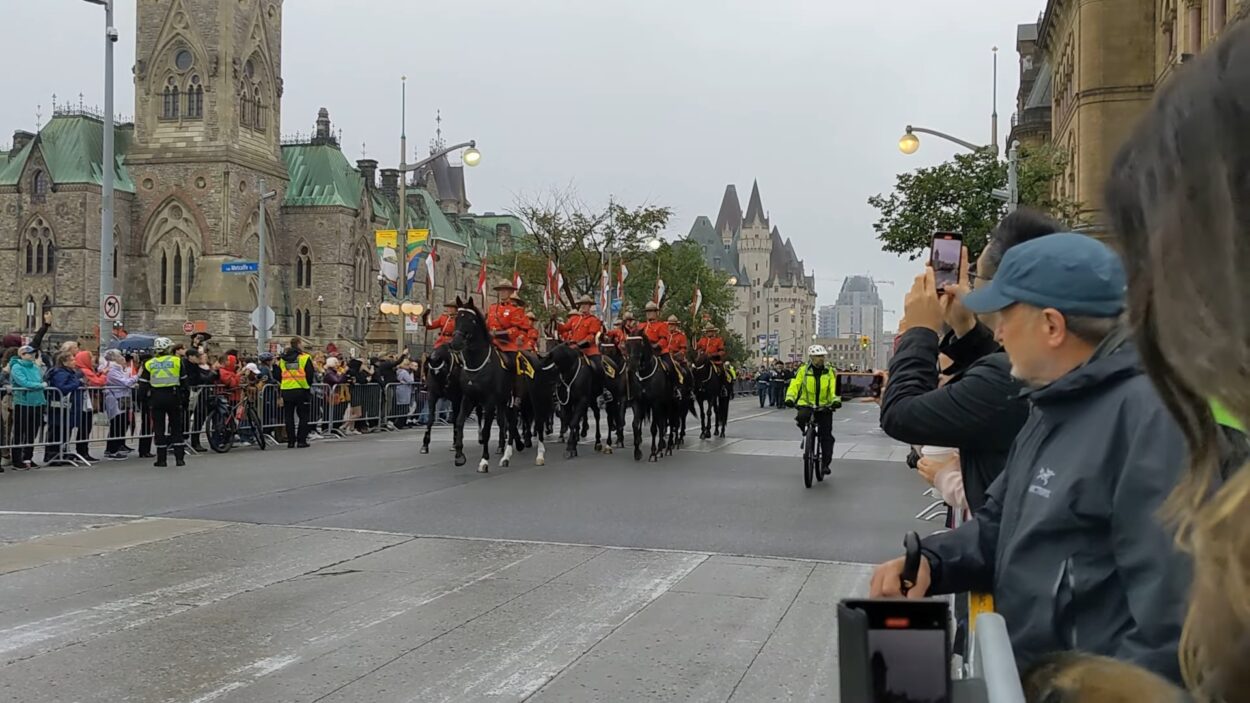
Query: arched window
pixel 195 99
pixel 177 272
pixel 169 107
pixel 39 186
pixel 39 257
pixel 244 107
pixel 303 268
pixel 361 270
pixel 116 256
pixel 308 322
pixel 30 257
pixel 259 112
pixel 45 307
pixel 49 258
pixel 164 278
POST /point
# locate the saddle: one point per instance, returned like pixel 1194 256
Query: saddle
pixel 524 364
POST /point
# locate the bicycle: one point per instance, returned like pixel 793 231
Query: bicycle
pixel 222 423
pixel 813 459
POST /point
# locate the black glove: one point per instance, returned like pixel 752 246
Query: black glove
pixel 789 403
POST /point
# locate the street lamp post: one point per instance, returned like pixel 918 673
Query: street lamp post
pixel 471 157
pixel 909 143
pixel 106 169
pixel 262 292
pixel 320 301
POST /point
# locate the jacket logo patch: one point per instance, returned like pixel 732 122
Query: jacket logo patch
pixel 1038 487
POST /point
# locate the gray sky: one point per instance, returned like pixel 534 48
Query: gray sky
pixel 664 101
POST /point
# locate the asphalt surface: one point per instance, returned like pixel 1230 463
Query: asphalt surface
pixel 360 570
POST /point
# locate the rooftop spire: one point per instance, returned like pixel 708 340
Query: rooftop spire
pixel 437 144
pixel 755 208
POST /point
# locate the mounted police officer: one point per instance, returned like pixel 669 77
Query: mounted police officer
pixel 166 388
pixel 297 377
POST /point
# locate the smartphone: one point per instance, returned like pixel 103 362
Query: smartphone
pixel 908 649
pixel 947 250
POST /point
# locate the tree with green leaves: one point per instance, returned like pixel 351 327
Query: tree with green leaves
pixel 956 196
pixel 583 241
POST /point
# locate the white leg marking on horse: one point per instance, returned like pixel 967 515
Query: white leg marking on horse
pixel 541 460
pixel 483 466
pixel 507 455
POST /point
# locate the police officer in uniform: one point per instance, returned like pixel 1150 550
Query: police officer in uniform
pixel 166 387
pixel 296 371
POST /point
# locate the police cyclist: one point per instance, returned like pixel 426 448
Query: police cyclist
pixel 296 370
pixel 814 389
pixel 165 385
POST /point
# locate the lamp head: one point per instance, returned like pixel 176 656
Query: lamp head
pixel 909 143
pixel 471 157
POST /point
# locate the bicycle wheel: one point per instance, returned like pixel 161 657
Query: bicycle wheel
pixel 257 428
pixel 220 431
pixel 809 458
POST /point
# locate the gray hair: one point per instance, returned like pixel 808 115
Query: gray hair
pixel 114 355
pixel 1092 330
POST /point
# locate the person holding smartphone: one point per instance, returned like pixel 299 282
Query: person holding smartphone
pixel 1069 540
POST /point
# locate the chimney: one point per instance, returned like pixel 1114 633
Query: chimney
pixel 390 184
pixel 323 126
pixel 20 139
pixel 369 169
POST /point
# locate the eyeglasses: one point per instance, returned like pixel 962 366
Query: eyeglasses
pixel 973 279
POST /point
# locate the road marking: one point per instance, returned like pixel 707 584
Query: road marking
pixel 39 551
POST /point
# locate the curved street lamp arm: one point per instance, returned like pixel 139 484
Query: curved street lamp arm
pixel 949 138
pixel 471 144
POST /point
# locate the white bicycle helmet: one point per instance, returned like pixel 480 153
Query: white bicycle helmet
pixel 817 350
pixel 160 345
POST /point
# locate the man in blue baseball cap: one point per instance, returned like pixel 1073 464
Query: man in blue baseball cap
pixel 1068 540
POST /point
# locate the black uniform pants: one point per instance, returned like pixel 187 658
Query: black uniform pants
pixel 167 421
pixel 824 429
pixel 296 402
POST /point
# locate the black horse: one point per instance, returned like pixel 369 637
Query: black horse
pixel 650 395
pixel 578 387
pixel 614 382
pixel 485 381
pixel 442 381
pixel 713 394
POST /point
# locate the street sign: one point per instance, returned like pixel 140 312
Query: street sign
pixel 266 322
pixel 112 306
pixel 412 323
pixel 188 327
pixel 616 306
pixel 240 267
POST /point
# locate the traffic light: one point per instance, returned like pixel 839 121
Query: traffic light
pixel 864 342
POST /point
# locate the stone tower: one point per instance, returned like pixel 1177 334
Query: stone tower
pixel 208 89
pixel 754 244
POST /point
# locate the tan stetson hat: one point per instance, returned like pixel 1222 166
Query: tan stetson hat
pixel 504 284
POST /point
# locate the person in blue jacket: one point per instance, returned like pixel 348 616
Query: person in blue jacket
pixel 64 407
pixel 28 405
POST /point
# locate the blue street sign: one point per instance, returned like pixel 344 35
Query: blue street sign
pixel 616 305
pixel 240 267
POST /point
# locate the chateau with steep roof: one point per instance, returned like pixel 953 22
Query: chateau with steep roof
pixel 776 298
pixel 208 98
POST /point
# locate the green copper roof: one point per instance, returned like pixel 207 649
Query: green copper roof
pixel 440 227
pixel 320 175
pixel 73 146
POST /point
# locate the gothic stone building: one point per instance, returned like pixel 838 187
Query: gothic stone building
pixel 773 295
pixel 208 99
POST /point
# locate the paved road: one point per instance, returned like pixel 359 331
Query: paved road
pixel 362 571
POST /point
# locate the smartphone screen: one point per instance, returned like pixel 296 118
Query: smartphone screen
pixel 947 249
pixel 908 654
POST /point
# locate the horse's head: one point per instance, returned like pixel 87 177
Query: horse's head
pixel 470 325
pixel 637 349
pixel 563 356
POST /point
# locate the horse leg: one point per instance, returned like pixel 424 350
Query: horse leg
pixel 488 421
pixel 578 409
pixel 599 444
pixel 431 402
pixel 457 434
pixel 509 416
pixel 637 432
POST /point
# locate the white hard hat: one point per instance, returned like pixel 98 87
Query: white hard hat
pixel 817 350
pixel 161 344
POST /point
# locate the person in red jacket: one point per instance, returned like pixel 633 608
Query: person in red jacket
pixel 584 331
pixel 503 316
pixel 521 332
pixel 678 345
pixel 653 329
pixel 616 336
pixel 532 334
pixel 445 324
pixel 564 330
pixel 711 346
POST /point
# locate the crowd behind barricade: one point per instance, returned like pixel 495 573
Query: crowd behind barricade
pixel 71 407
pixel 1082 412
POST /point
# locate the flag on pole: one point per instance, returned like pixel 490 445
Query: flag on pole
pixel 481 277
pixel 559 285
pixel 620 280
pixel 516 279
pixel 698 301
pixel 659 291
pixel 605 289
pixel 430 260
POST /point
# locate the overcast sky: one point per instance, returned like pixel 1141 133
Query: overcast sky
pixel 663 101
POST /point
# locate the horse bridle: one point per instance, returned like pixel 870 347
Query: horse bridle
pixel 568 387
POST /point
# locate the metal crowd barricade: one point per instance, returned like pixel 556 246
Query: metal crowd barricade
pixel 399 406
